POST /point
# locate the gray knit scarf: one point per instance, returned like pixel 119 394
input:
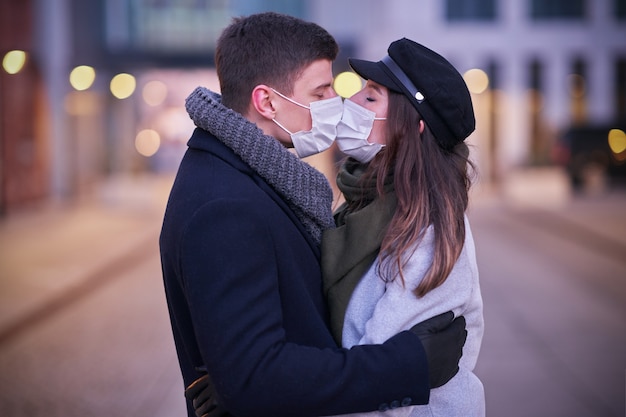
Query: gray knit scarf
pixel 305 189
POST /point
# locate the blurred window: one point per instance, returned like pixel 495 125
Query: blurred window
pixel 493 71
pixel 247 7
pixel 620 90
pixel 180 25
pixel 578 90
pixel 557 9
pixel 469 10
pixel 619 9
pixel 536 72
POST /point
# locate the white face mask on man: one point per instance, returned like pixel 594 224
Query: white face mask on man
pixel 325 115
pixel 354 129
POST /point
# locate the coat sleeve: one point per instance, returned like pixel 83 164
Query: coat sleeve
pixel 229 262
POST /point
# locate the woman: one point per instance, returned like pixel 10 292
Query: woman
pixel 403 250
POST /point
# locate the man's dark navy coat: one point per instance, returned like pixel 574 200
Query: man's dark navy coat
pixel 244 290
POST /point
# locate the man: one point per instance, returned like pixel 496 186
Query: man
pixel 240 243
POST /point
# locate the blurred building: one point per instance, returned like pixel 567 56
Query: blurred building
pixel 550 63
pixel 102 87
pixel 91 89
pixel 24 147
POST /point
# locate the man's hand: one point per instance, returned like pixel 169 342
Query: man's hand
pixel 201 395
pixel 443 338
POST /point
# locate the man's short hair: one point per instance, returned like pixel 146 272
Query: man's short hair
pixel 267 48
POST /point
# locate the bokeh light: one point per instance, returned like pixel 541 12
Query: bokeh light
pixel 154 92
pixel 82 77
pixel 477 80
pixel 123 85
pixel 617 143
pixel 147 142
pixel 347 84
pixel 14 61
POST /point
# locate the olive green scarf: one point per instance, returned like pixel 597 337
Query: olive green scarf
pixel 349 250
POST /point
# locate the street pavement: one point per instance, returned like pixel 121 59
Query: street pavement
pixel 84 328
pixel 55 254
pixel 58 250
pixel 554 290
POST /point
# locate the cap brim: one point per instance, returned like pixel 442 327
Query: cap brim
pixel 374 71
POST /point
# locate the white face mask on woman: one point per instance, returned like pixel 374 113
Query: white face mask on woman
pixel 325 114
pixel 354 129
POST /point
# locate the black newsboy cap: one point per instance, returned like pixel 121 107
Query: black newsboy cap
pixel 432 85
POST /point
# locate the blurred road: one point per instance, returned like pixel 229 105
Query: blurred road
pixel 84 329
pixel 554 289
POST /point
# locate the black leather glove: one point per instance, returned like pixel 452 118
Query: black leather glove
pixel 443 337
pixel 202 397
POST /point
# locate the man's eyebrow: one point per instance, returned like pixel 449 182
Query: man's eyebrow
pixel 322 87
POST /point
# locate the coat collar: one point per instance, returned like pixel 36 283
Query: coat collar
pixel 203 141
pixel 305 190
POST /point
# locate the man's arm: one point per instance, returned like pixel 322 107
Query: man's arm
pixel 235 307
pixel 441 337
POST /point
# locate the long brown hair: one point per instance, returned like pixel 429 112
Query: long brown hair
pixel 431 185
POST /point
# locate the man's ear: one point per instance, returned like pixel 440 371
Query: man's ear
pixel 421 126
pixel 262 101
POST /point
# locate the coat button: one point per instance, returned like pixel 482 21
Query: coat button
pixel 383 407
pixel 406 402
pixel 394 404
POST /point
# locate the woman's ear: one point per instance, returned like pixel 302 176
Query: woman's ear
pixel 261 100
